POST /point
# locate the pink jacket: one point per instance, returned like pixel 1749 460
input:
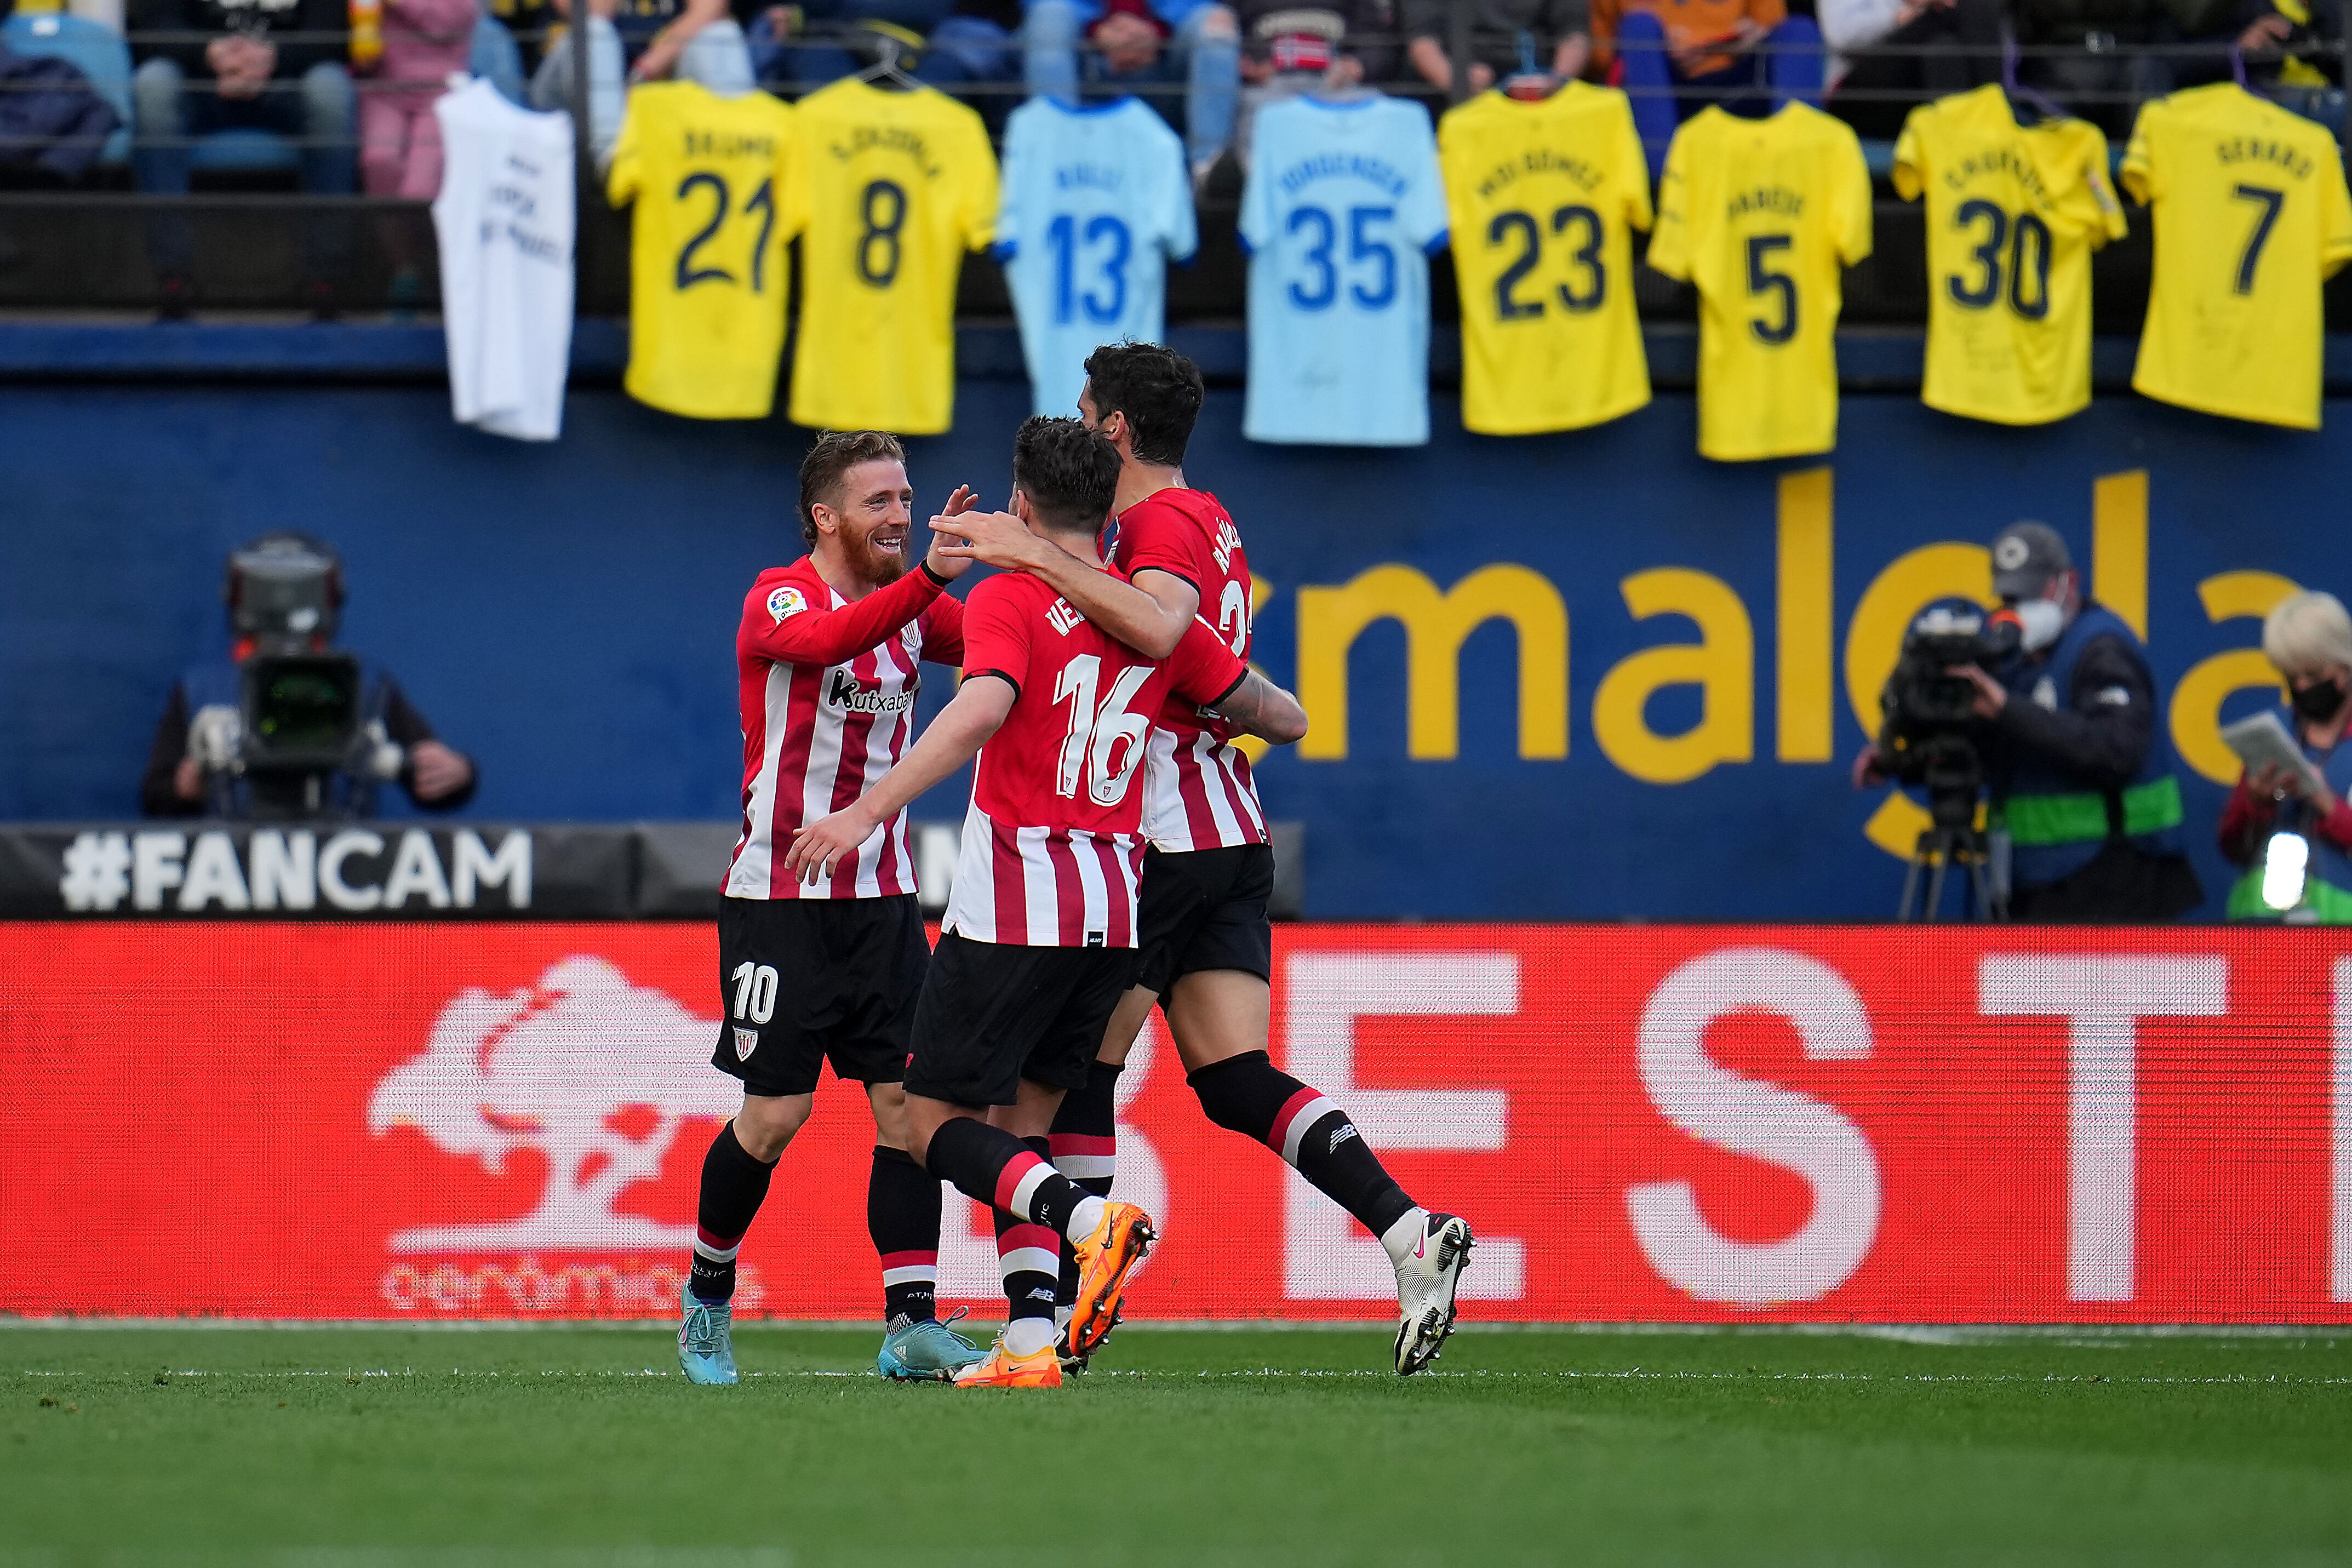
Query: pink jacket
pixel 425 40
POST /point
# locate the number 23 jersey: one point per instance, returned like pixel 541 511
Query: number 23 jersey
pixel 1761 215
pixel 899 185
pixel 1544 197
pixel 1052 852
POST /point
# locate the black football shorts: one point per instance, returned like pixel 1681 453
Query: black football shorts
pixel 801 980
pixel 993 1014
pixel 1205 909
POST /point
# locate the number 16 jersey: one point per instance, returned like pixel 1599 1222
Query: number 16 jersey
pixel 898 187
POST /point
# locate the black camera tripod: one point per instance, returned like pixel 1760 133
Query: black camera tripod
pixel 1954 775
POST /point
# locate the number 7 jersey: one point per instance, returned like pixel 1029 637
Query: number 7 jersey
pixel 1761 215
pixel 1052 852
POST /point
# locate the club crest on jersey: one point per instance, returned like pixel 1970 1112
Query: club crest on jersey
pixel 746 1042
pixel 786 601
pixel 1062 619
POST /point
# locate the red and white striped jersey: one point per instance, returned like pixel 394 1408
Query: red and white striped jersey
pixel 1198 791
pixel 1053 850
pixel 827 688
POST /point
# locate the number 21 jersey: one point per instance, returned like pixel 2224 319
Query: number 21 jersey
pixel 1051 854
pixel 899 185
pixel 1761 215
pixel 1343 204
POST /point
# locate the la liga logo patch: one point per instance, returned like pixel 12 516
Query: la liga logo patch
pixel 786 601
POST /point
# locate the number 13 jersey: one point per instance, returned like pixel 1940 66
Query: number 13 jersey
pixel 898 187
pixel 1761 215
pixel 1052 852
pixel 1544 197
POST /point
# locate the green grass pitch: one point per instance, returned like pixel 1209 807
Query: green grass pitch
pixel 376 1447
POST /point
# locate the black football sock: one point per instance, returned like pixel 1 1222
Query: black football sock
pixel 902 1216
pixel 1085 1148
pixel 1026 1256
pixel 1250 1095
pixel 733 1184
pixel 990 1165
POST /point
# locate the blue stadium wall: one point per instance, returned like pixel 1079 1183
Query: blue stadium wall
pixel 1661 668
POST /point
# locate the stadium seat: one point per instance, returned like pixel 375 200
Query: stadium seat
pixel 98 52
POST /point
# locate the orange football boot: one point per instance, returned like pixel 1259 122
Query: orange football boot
pixel 1002 1369
pixel 1105 1258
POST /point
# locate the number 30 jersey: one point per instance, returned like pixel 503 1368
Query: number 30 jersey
pixel 2250 218
pixel 1761 215
pixel 1544 197
pixel 1051 854
pixel 707 274
pixel 1343 204
pixel 899 185
pixel 2013 214
pixel 1096 202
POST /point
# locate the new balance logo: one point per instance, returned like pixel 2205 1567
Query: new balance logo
pixel 1041 1294
pixel 1062 619
pixel 1341 1134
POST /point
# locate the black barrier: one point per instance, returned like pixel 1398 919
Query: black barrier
pixel 410 870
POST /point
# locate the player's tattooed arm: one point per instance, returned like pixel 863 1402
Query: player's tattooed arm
pixel 1258 707
pixel 954 738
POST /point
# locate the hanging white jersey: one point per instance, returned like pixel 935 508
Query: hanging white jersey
pixel 1343 207
pixel 1096 203
pixel 505 217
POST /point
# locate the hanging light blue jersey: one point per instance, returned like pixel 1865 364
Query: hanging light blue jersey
pixel 1343 208
pixel 1096 202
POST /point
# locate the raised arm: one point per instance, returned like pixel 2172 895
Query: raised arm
pixel 954 738
pixel 1149 615
pixel 784 627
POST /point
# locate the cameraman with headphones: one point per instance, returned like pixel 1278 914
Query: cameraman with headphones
pixel 2079 771
pixel 220 748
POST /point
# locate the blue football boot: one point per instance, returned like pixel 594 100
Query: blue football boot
pixel 926 1351
pixel 705 1350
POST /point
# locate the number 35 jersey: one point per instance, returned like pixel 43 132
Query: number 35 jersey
pixel 1761 215
pixel 707 274
pixel 899 185
pixel 1096 202
pixel 1544 198
pixel 2250 218
pixel 2013 214
pixel 1343 204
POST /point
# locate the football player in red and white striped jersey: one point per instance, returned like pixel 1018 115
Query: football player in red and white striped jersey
pixel 1040 938
pixel 1207 945
pixel 826 660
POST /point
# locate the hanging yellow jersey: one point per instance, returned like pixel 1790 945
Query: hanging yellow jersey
pixel 2251 217
pixel 2013 214
pixel 1544 198
pixel 708 269
pixel 1760 216
pixel 899 185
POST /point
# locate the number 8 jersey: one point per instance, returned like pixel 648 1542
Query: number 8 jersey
pixel 1544 197
pixel 1052 851
pixel 1761 215
pixel 896 187
pixel 1343 206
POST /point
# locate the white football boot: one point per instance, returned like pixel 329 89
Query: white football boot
pixel 1427 1278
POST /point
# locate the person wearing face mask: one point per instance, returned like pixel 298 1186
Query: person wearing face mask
pixel 2308 639
pixel 2079 771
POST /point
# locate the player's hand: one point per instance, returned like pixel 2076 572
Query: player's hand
pixel 995 539
pixel 820 846
pixel 1991 696
pixel 938 557
pixel 1869 767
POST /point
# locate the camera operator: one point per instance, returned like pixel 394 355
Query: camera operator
pixel 286 727
pixel 2079 772
pixel 2307 878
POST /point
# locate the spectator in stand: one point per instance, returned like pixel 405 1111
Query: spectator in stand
pixel 1288 48
pixel 2296 45
pixel 1680 55
pixel 2092 54
pixel 803 47
pixel 1142 44
pixel 53 123
pixel 1560 30
pixel 642 40
pixel 2308 639
pixel 1894 54
pixel 399 141
pixel 241 66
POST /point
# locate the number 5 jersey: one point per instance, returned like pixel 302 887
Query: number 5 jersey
pixel 898 187
pixel 1343 204
pixel 1761 215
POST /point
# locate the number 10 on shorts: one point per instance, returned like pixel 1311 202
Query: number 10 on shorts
pixel 755 991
